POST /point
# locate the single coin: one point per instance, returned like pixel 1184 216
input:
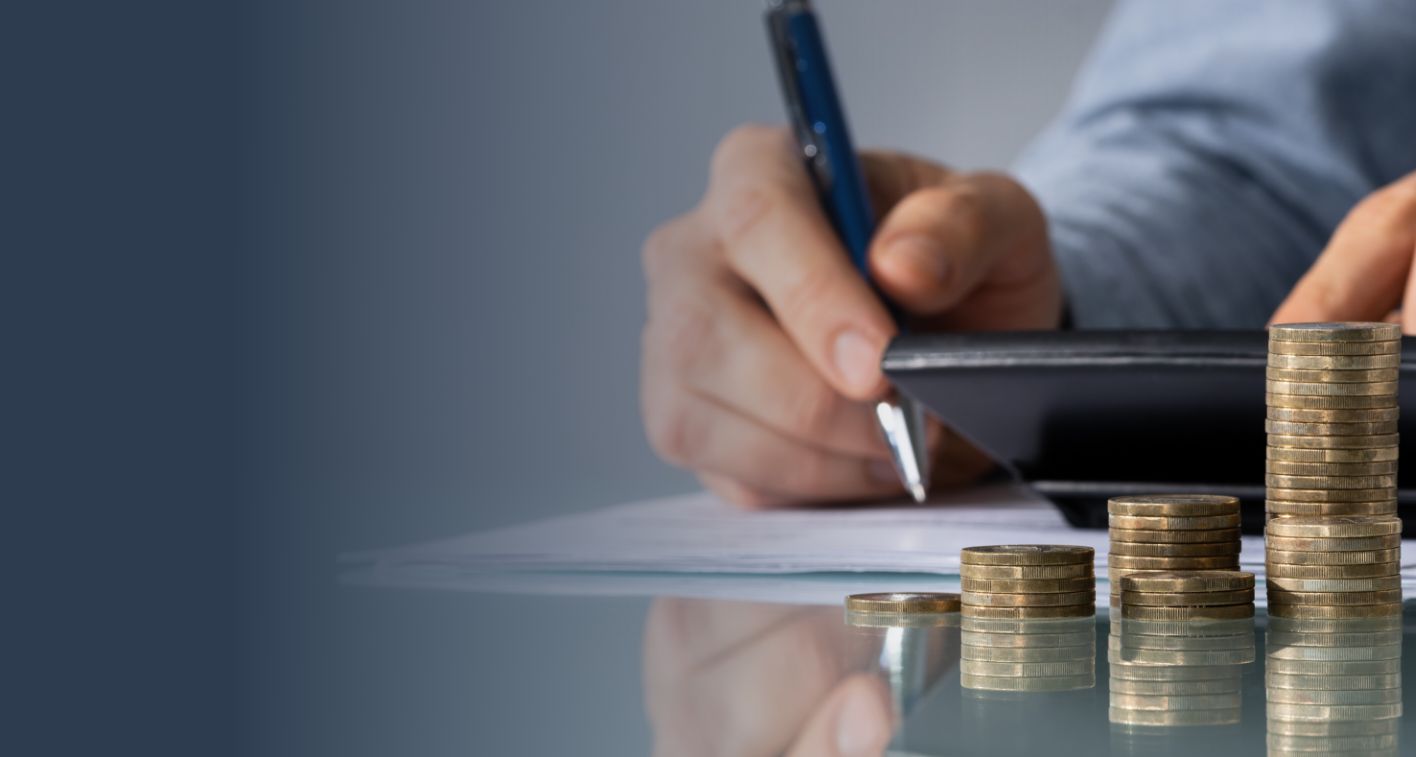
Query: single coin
pixel 1196 549
pixel 1333 442
pixel 1129 627
pixel 1331 683
pixel 1225 562
pixel 1334 667
pixel 1027 654
pixel 1335 526
pixel 1383 347
pixel 1277 509
pixel 1281 711
pixel 1383 583
pixel 1329 429
pixel 902 620
pixel 1029 585
pixel 1331 495
pixel 1278 556
pixel 1187 505
pixel 1057 599
pixel 1189 581
pixel 1336 331
pixel 1329 573
pixel 1029 612
pixel 1174 688
pixel 1015 683
pixel 1169 702
pixel 1030 640
pixel 1351 415
pixel 1027 572
pixel 1160 536
pixel 1346 654
pixel 1335 544
pixel 1306 388
pixel 1132 671
pixel 1281 467
pixel 903 602
pixel 1333 728
pixel 1028 669
pixel 1370 454
pixel 1222 612
pixel 1324 402
pixel 1182 643
pixel 1178 523
pixel 1316 627
pixel 1116 653
pixel 1286 610
pixel 1027 554
pixel 1331 598
pixel 1333 362
pixel 1186 599
pixel 1222 716
pixel 1029 626
pixel 1280 481
pixel 1320 746
pixel 1320 376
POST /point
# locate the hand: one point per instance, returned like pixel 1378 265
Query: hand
pixel 763 346
pixel 1365 273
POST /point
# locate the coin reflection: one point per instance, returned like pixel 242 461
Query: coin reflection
pixel 1027 655
pixel 1333 685
pixel 1167 674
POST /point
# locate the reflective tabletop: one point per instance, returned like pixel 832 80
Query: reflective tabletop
pixel 441 672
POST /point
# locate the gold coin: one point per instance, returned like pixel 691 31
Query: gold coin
pixel 1060 599
pixel 1333 572
pixel 1161 536
pixel 1186 599
pixel 1200 549
pixel 1222 612
pixel 1280 509
pixel 1031 640
pixel 1021 572
pixel 1369 389
pixel 1331 683
pixel 903 602
pixel 1274 556
pixel 1027 554
pixel 1028 669
pixel 1189 581
pixel 1116 653
pixel 1332 598
pixel 1026 612
pixel 1353 441
pixel 1174 505
pixel 1319 376
pixel 1384 468
pixel 1222 716
pixel 1334 667
pixel 1029 585
pixel 1017 683
pixel 1178 523
pixel 1022 627
pixel 1380 583
pixel 1336 526
pixel 1280 481
pixel 1333 728
pixel 1336 331
pixel 1127 671
pixel 1333 712
pixel 1285 610
pixel 1028 654
pixel 1331 495
pixel 1303 428
pixel 1182 688
pixel 1384 347
pixel 1325 402
pixel 1182 643
pixel 1355 415
pixel 1367 455
pixel 1335 544
pixel 1227 562
pixel 1333 362
pixel 1130 628
pixel 1170 702
pixel 1345 625
pixel 902 620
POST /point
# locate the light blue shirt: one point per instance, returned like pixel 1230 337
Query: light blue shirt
pixel 1211 147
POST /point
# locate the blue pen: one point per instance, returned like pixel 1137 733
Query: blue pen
pixel 820 125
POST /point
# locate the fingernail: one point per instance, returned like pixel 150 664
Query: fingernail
pixel 923 254
pixel 857 361
pixel 883 472
pixel 860 731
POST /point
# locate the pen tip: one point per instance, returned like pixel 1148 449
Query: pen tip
pixel 917 491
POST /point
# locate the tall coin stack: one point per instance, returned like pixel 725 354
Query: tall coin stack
pixel 1056 654
pixel 1028 581
pixel 1339 566
pixel 1165 674
pixel 1333 686
pixel 1171 532
pixel 1332 418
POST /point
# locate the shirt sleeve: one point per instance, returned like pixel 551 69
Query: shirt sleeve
pixel 1210 147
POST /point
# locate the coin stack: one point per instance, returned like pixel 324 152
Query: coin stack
pixel 1171 532
pixel 1340 566
pixel 1333 686
pixel 1028 581
pixel 1332 415
pixel 1052 654
pixel 1188 595
pixel 1176 673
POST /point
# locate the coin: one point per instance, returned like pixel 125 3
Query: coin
pixel 1352 415
pixel 1032 640
pixel 1331 495
pixel 1321 746
pixel 1116 654
pixel 1029 585
pixel 1189 581
pixel 1318 376
pixel 1280 481
pixel 1021 669
pixel 1298 428
pixel 1332 683
pixel 1336 331
pixel 1027 554
pixel 1027 626
pixel 1366 571
pixel 1223 716
pixel 1364 455
pixel 1277 556
pixel 1170 702
pixel 1282 711
pixel 1384 583
pixel 1016 683
pixel 1161 536
pixel 1026 572
pixel 1184 688
pixel 903 602
pixel 1128 671
pixel 1344 654
pixel 1185 599
pixel 1183 643
pixel 1382 468
pixel 1319 627
pixel 1333 362
pixel 1200 549
pixel 1225 562
pixel 1333 728
pixel 902 620
pixel 1057 599
pixel 1285 610
pixel 1340 639
pixel 1027 654
pixel 1325 349
pixel 1030 612
pixel 1222 612
pixel 1178 523
pixel 1131 627
pixel 1285 597
pixel 1352 441
pixel 1326 402
pixel 1174 505
pixel 1279 509
pixel 1334 667
pixel 1337 526
pixel 1335 544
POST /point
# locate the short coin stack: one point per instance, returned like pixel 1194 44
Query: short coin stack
pixel 1056 654
pixel 1171 532
pixel 902 610
pixel 1188 595
pixel 1177 673
pixel 1332 418
pixel 1028 581
pixel 1333 686
pixel 1333 566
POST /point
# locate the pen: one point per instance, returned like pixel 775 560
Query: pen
pixel 820 126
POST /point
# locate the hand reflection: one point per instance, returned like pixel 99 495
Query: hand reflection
pixel 744 679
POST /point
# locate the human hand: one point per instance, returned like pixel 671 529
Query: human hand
pixel 762 351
